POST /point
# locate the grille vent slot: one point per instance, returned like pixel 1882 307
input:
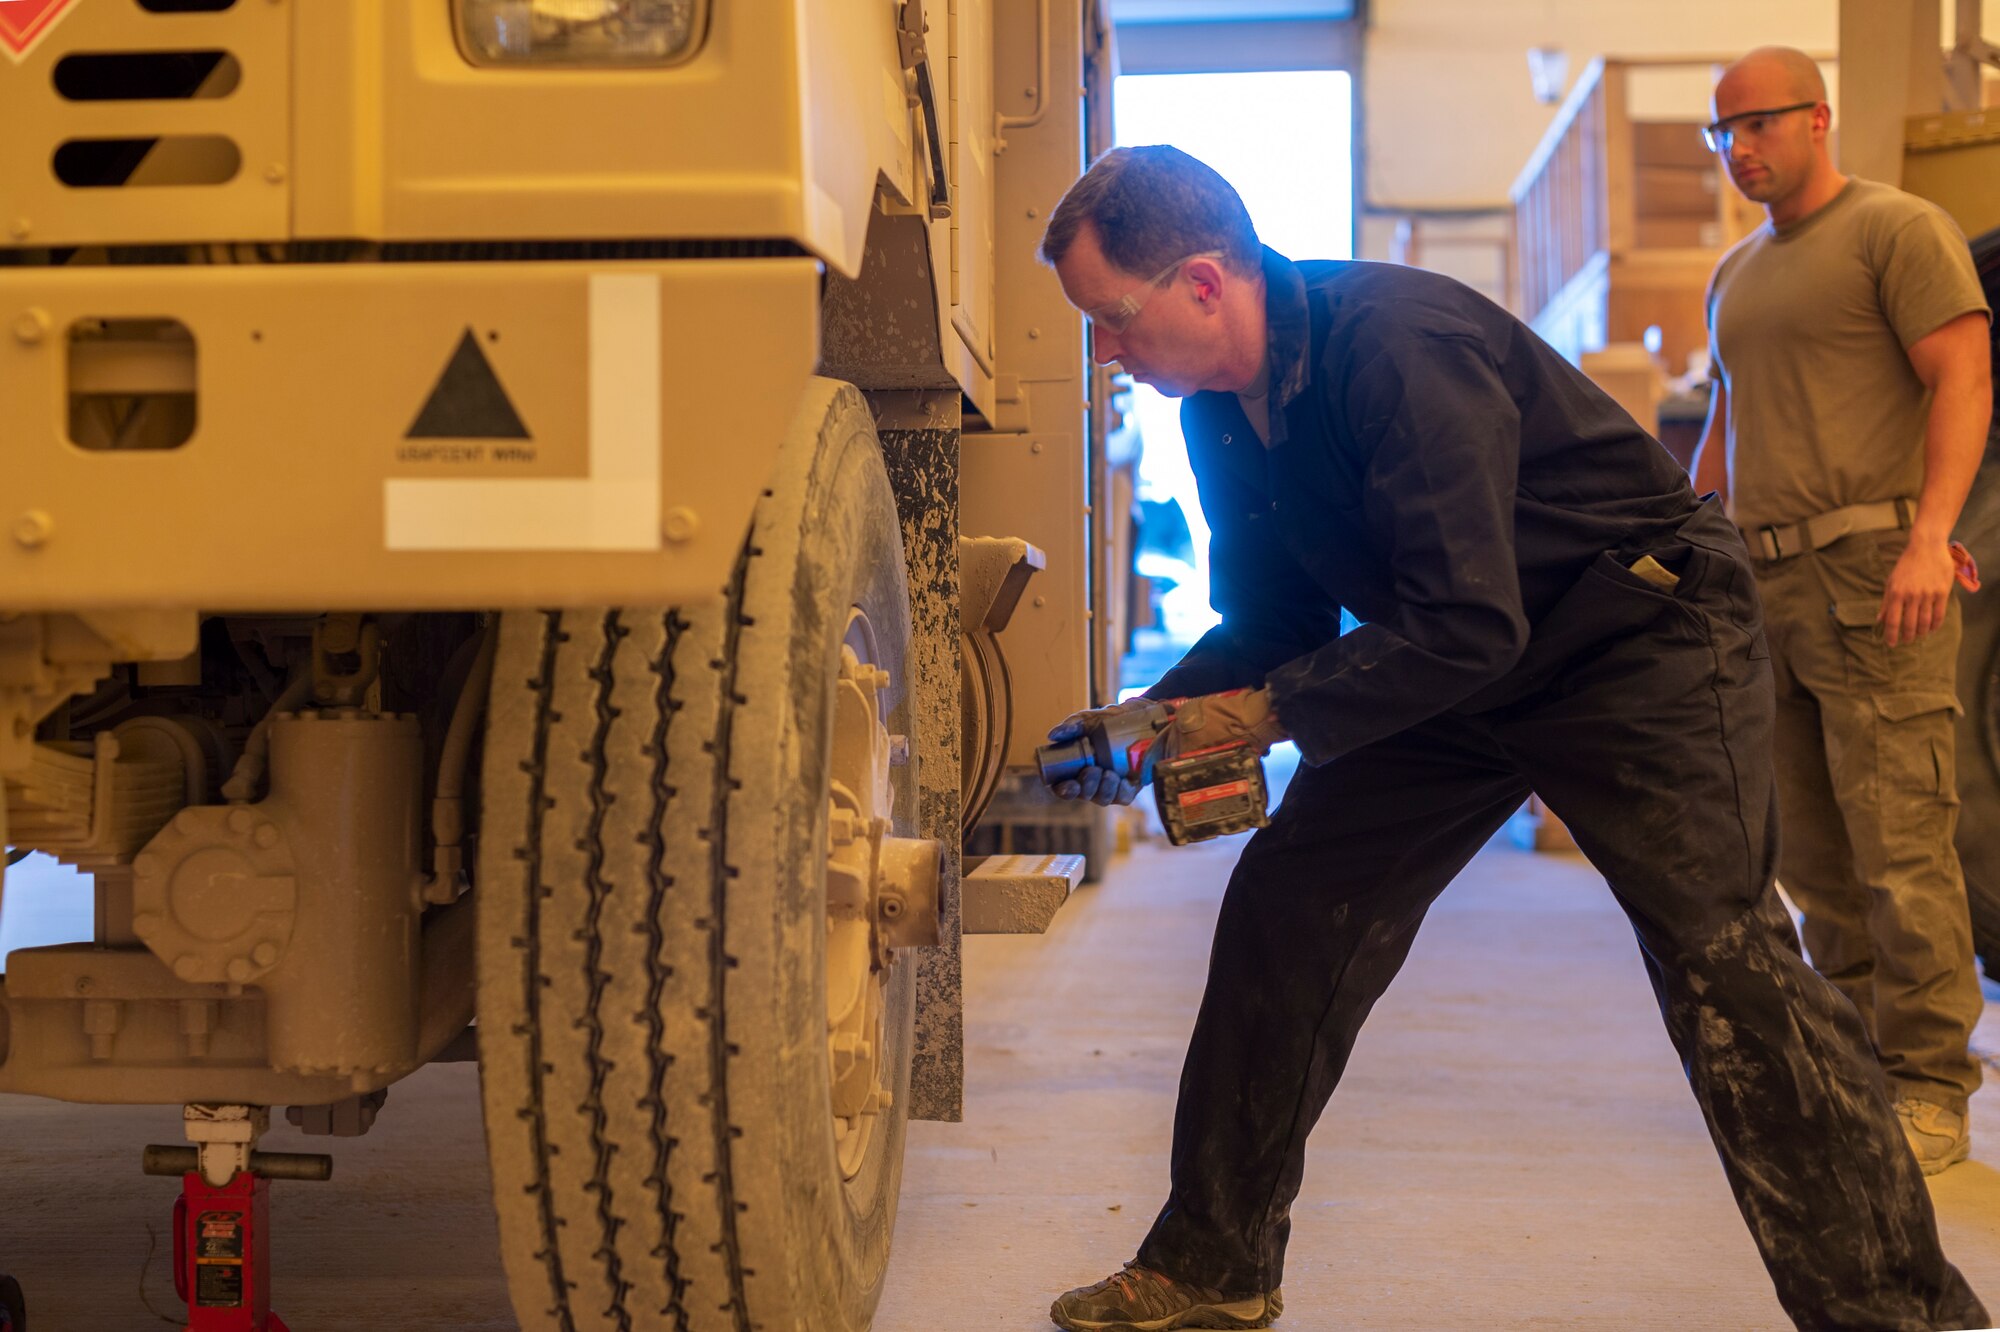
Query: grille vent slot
pixel 174 159
pixel 147 76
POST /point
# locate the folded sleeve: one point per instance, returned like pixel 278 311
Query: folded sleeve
pixel 1441 438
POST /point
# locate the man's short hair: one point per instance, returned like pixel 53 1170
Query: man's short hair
pixel 1150 206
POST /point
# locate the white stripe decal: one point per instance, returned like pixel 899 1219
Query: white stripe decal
pixel 616 506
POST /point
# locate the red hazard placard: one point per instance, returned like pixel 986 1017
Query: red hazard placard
pixel 22 22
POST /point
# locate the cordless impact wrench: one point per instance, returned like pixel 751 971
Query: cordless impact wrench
pixel 1210 793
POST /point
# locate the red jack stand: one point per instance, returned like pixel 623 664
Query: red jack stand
pixel 222 1254
pixel 222 1232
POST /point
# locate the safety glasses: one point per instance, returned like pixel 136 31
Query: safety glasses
pixel 1721 136
pixel 1119 317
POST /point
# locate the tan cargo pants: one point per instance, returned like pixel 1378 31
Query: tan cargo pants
pixel 1868 799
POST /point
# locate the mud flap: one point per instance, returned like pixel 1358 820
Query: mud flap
pixel 920 441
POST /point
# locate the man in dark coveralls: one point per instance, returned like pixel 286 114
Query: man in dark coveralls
pixel 1545 606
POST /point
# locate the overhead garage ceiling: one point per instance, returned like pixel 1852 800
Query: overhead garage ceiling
pixel 1218 36
pixel 1211 11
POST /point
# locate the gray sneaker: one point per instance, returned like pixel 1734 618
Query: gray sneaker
pixel 1940 1138
pixel 1138 1299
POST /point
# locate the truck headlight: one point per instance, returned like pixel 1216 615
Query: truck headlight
pixel 621 33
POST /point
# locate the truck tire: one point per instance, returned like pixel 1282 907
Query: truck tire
pixel 664 1053
pixel 1978 757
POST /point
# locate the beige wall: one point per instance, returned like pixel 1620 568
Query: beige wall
pixel 1471 247
pixel 1451 119
pixel 1450 115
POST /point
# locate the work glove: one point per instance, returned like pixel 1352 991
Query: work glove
pixel 1096 784
pixel 1221 721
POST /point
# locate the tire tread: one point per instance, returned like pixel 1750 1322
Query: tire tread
pixel 630 960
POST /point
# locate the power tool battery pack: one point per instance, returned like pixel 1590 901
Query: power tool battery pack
pixel 1211 795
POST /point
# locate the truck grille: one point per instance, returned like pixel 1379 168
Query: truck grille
pixel 155 121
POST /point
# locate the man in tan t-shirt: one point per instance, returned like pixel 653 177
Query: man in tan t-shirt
pixel 1851 397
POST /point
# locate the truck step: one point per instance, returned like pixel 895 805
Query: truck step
pixel 1018 894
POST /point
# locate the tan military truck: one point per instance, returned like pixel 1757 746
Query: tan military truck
pixel 506 510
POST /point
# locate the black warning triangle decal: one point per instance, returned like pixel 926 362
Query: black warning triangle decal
pixel 468 402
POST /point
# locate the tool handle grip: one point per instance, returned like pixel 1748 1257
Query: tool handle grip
pixel 176 1161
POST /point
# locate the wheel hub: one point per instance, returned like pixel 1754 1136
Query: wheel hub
pixel 881 895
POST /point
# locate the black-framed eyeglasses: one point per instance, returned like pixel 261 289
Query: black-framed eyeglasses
pixel 1722 134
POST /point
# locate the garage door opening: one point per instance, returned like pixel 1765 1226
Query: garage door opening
pixel 1285 140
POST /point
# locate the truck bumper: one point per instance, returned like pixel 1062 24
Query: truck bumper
pixel 395 436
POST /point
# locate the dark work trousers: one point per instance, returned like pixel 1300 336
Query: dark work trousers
pixel 1655 748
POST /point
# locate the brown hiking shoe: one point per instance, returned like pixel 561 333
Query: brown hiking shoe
pixel 1139 1299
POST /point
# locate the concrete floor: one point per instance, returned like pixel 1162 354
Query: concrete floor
pixel 1513 1147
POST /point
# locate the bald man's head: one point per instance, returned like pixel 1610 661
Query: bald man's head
pixel 1771 123
pixel 1780 72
